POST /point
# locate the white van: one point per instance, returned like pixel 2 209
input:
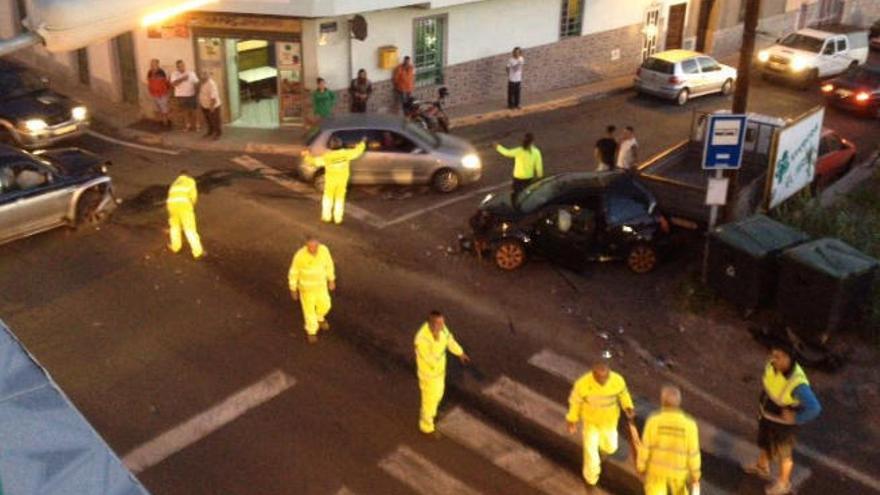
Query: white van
pixel 810 54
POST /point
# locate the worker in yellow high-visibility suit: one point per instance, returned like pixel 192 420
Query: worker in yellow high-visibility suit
pixel 337 169
pixel 595 401
pixel 181 203
pixel 669 457
pixel 431 343
pixel 528 163
pixel 311 278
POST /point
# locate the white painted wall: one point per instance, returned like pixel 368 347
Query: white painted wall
pixel 8 19
pixel 329 8
pixel 167 50
pixel 605 15
pixel 102 66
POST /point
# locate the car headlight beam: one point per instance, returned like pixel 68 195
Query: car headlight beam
pixel 798 64
pixel 35 125
pixel 763 56
pixel 79 113
pixel 470 161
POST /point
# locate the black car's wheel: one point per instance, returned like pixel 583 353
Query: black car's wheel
pixel 727 88
pixel 87 208
pixel 445 180
pixel 509 254
pixel 642 258
pixel 318 181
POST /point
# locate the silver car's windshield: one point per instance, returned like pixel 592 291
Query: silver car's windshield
pixel 423 134
pixel 802 42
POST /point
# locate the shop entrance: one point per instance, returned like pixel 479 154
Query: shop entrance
pixel 260 80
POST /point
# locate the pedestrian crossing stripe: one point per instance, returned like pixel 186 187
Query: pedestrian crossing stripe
pixel 420 474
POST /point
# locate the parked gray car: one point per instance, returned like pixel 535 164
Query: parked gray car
pixel 680 75
pixel 398 152
pixel 47 189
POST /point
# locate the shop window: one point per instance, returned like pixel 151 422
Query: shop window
pixel 429 52
pixel 571 20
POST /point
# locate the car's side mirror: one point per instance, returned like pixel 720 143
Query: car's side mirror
pixel 563 220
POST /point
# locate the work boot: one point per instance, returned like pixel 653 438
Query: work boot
pixel 313 339
pixel 434 435
pixel 324 325
pixel 756 470
pixel 778 488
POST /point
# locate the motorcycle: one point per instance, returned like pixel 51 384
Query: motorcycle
pixel 429 114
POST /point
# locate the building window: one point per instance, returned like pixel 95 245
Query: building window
pixel 429 52
pixel 571 20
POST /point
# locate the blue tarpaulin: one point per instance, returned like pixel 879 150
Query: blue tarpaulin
pixel 46 445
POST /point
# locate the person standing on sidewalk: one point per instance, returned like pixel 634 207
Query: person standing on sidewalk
pixel 431 343
pixel 311 278
pixel 528 164
pixel 628 151
pixel 605 151
pixel 786 402
pixel 323 101
pixel 160 89
pixel 669 458
pixel 184 82
pixel 360 90
pixel 209 101
pixel 181 203
pixel 337 169
pixel 404 82
pixel 514 78
pixel 595 402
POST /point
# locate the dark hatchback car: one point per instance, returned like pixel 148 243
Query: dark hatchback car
pixel 33 116
pixel 572 219
pixel 857 89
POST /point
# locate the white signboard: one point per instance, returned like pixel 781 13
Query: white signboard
pixel 795 162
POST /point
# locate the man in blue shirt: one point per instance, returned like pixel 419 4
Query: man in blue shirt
pixel 786 402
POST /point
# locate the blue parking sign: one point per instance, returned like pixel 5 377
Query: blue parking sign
pixel 723 143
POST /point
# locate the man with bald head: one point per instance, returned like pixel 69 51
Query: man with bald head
pixel 670 455
pixel 596 401
pixel 311 277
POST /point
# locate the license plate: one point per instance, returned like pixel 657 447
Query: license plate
pixel 843 93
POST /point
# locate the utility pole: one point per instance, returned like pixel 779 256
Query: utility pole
pixel 741 94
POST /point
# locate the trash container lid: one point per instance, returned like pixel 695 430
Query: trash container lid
pixel 758 235
pixel 833 257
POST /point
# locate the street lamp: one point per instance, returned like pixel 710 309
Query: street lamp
pixel 66 25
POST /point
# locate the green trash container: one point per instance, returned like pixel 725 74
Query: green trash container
pixel 742 265
pixel 824 286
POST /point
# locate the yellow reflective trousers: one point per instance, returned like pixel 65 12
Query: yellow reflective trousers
pixel 333 203
pixel 597 439
pixel 315 306
pixel 658 485
pixel 182 216
pixel 432 393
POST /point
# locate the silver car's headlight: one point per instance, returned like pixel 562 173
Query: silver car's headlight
pixel 79 113
pixel 471 161
pixel 35 125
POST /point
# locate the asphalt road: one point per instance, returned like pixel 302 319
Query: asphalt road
pixel 142 340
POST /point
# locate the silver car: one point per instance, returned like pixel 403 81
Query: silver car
pixel 398 152
pixel 682 74
pixel 47 189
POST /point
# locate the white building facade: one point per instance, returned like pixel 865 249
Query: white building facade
pixel 266 54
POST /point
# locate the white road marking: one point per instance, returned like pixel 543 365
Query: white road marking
pixel 422 475
pixel 205 423
pixel 442 204
pixel 809 452
pixel 298 187
pixel 129 144
pixel 508 454
pixel 713 440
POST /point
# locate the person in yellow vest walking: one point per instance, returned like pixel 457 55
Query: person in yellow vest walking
pixel 595 401
pixel 337 169
pixel 431 343
pixel 311 278
pixel 787 401
pixel 669 457
pixel 528 163
pixel 181 203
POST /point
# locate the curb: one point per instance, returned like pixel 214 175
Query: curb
pixel 153 139
pixel 547 106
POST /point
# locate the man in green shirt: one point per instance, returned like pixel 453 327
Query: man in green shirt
pixel 323 100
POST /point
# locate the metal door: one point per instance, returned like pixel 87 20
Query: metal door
pixel 650 32
pixel 128 73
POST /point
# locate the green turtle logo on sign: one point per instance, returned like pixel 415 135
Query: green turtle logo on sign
pixel 782 166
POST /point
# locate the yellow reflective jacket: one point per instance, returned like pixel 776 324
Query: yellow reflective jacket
pixel 527 163
pixel 596 404
pixel 670 446
pixel 338 162
pixel 311 271
pixel 431 352
pixel 778 388
pixel 183 191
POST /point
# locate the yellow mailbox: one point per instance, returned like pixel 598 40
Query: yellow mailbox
pixel 387 57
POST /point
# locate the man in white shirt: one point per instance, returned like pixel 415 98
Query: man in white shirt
pixel 209 101
pixel 628 150
pixel 514 78
pixel 184 82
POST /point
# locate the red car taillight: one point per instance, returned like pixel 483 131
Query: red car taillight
pixel 675 80
pixel 862 97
